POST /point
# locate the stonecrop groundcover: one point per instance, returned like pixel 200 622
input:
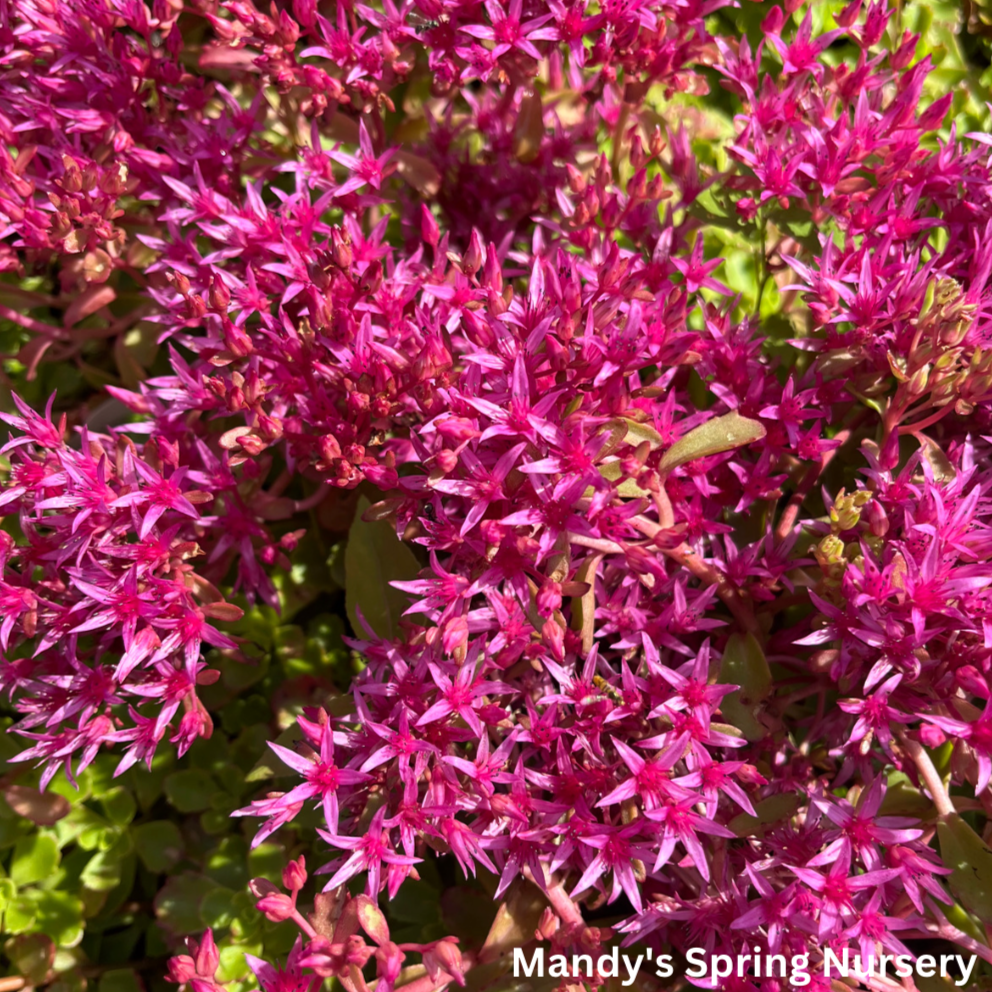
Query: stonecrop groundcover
pixel 490 478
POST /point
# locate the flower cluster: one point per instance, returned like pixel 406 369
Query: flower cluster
pixel 472 260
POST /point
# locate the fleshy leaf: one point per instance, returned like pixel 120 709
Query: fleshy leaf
pixel 970 861
pixel 715 436
pixel 744 665
pixel 373 558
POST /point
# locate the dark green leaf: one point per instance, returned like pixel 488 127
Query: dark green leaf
pixel 159 845
pixel 191 790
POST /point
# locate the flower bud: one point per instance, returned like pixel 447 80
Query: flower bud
pixel 455 635
pixel 576 181
pixel 181 969
pixel 445 956
pixel 389 959
pixel 553 637
pixel 429 229
pixel 772 24
pixel 638 158
pixel 195 307
pixel 207 956
pixel 849 15
pixel 294 875
pixel 492 532
pixel 918 382
pixel 548 925
pixel 932 736
pixel 878 521
pixel 340 249
pixel 903 56
pixel 276 907
pixel 446 460
pixel 220 295
pixel 750 775
pixel 549 598
pixel 476 254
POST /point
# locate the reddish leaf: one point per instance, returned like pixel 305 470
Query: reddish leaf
pixel 42 808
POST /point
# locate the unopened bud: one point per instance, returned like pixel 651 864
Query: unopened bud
pixel 918 381
pixel 429 229
pixel 549 598
pixel 455 636
pixel 475 255
pixel 276 907
pixel 849 15
pixel 932 736
pixel 972 681
pixel 341 253
pixel 294 875
pixel 445 956
pixel 220 295
pixel 207 956
pixel 878 521
pixel 553 637
pixel 446 460
pixel 772 24
pixel 576 181
pixel 329 448
pixel 548 925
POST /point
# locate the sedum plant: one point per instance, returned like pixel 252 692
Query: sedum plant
pixel 489 476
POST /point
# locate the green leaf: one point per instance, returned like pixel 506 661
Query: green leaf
pixel 119 806
pixel 60 915
pixel 744 665
pixel 159 845
pixel 35 858
pixel 82 825
pixel 217 908
pixel 715 436
pixel 267 861
pixel 103 871
pixel 232 961
pixel 902 798
pixel 20 914
pixel 8 892
pixel 269 765
pixel 468 911
pixel 611 471
pixel 120 980
pixel 227 864
pixel 770 811
pixel 177 904
pixel 516 920
pixel 191 790
pixel 970 861
pixel 415 902
pixel 373 558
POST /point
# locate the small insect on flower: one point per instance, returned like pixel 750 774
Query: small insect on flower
pixel 607 691
pixel 426 23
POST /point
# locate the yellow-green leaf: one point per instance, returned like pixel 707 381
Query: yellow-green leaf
pixel 373 558
pixel 715 436
pixel 970 861
pixel 770 811
pixel 744 665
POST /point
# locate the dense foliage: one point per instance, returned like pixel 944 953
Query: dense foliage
pixel 492 475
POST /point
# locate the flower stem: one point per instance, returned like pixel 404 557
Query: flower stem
pixel 929 774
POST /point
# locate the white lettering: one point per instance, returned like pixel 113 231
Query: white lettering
pixel 520 965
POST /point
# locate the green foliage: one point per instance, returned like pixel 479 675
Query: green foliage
pixel 100 883
pixel 374 558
